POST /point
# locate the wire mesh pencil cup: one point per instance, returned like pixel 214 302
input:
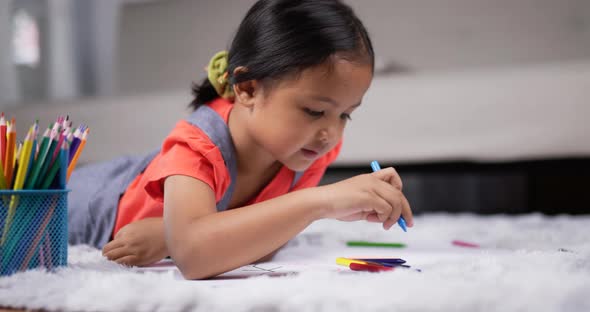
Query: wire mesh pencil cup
pixel 33 230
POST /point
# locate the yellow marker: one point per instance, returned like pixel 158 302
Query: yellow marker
pixel 346 261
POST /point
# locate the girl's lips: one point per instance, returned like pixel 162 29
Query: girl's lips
pixel 309 153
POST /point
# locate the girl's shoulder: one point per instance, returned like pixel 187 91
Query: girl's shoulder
pixel 185 133
pixel 188 134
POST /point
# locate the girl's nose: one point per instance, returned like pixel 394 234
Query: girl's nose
pixel 329 134
pixel 323 136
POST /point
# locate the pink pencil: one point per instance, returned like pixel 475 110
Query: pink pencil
pixel 464 244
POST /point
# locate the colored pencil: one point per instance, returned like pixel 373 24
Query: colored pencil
pixel 55 169
pixel 75 143
pixel 24 159
pixel 41 157
pixel 3 138
pixel 369 267
pixel 25 155
pixel 72 164
pixel 383 260
pixel 51 174
pixel 374 244
pixel 60 138
pixel 464 244
pixel 3 184
pixel 63 165
pixel 401 221
pixel 48 158
pixel 15 162
pixel 347 261
pixel 10 150
pixel 33 154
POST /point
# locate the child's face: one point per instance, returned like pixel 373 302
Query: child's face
pixel 301 119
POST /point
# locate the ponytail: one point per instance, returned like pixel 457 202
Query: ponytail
pixel 203 93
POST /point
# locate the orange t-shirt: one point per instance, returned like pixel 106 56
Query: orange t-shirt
pixel 188 151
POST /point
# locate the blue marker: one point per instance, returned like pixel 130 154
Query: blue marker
pixel 401 221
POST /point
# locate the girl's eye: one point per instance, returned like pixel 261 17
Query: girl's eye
pixel 346 116
pixel 313 113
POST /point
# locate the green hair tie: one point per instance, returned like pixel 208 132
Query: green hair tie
pixel 219 76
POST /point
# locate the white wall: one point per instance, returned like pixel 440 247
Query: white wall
pixel 78 50
pixel 62 79
pixel 458 34
pixel 156 45
pixel 8 83
pixel 164 44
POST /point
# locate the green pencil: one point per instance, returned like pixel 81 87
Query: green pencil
pixel 51 145
pixel 43 151
pixel 50 175
pixel 374 244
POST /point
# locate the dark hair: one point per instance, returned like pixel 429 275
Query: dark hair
pixel 284 37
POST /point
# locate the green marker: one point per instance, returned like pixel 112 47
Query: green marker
pixel 374 244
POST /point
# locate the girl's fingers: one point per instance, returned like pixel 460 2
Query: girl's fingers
pixel 397 201
pixel 378 205
pixel 117 253
pixel 395 214
pixel 390 176
pixel 369 216
pixel 114 244
pixel 381 207
pixel 355 217
pixel 407 212
pixel 388 224
pixel 127 260
pixel 373 217
pixel 392 196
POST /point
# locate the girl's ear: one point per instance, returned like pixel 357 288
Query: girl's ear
pixel 245 92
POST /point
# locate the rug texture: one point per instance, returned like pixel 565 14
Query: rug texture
pixel 524 263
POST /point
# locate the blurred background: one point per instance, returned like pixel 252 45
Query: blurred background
pixel 481 105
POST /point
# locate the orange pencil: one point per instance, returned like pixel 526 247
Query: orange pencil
pixel 10 150
pixel 77 155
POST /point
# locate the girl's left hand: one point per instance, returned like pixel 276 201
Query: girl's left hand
pixel 138 243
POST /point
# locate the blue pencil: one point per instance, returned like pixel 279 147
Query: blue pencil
pixel 401 221
pixel 383 260
pixel 63 169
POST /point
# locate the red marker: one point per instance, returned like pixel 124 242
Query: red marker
pixel 369 267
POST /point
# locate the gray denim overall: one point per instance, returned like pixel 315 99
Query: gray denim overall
pixel 96 189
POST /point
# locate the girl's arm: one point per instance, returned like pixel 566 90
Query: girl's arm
pixel 204 243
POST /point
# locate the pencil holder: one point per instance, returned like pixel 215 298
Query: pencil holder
pixel 33 229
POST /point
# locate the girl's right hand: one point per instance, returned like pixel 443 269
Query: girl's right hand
pixel 375 197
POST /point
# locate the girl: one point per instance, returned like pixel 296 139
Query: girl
pixel 237 179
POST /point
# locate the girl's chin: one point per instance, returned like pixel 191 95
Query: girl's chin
pixel 300 164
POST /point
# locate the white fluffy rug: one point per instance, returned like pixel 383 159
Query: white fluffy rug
pixel 525 263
